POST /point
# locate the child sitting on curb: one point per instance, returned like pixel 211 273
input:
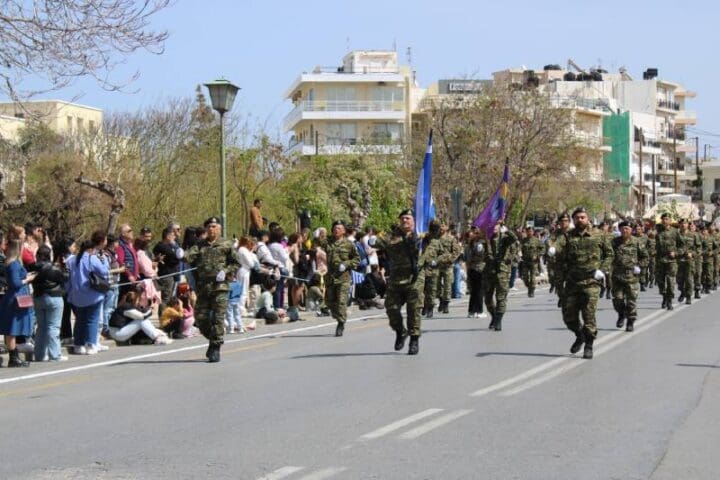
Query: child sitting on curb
pixel 264 306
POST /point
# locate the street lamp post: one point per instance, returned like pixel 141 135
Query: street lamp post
pixel 222 96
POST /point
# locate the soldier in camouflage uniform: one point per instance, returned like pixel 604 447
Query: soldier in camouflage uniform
pixel 606 288
pixel 436 254
pixel 214 257
pixel 716 273
pixel 502 249
pixel 686 263
pixel 652 253
pixel 452 247
pixel 584 257
pixel 628 253
pixel 698 258
pixel 531 248
pixel 475 255
pixel 668 244
pixel 708 265
pixel 406 280
pixel 639 233
pixel 342 256
pixel 554 247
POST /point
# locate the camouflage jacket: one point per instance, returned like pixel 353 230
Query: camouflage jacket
pixel 403 255
pixel 341 251
pixel 709 248
pixel 452 248
pixel 435 255
pixel 652 247
pixel 584 252
pixel 476 254
pixel 531 249
pixel 687 252
pixel 669 241
pixel 643 240
pixel 502 251
pixel 212 258
pixel 627 255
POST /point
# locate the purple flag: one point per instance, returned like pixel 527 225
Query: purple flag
pixel 495 209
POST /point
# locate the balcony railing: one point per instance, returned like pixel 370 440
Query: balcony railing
pixel 342 106
pixel 574 102
pixel 668 104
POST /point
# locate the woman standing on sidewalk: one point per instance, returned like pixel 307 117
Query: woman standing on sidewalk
pixel 15 320
pixel 48 291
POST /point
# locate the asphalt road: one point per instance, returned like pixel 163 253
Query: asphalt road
pixel 294 402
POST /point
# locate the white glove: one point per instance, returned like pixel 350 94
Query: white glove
pixel 636 270
pixel 599 275
pixel 316 233
pixel 372 240
pixel 220 277
pixel 342 267
pixel 433 264
pixel 503 229
pixel 479 248
pixel 551 252
pixel 179 253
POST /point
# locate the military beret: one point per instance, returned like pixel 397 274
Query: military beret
pixel 407 211
pixel 338 222
pixel 211 220
pixel 666 215
pixel 579 210
pixel 563 216
pixel 623 224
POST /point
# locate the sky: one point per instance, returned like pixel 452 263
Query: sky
pixel 263 45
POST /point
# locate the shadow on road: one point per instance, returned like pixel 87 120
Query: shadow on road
pixel 339 355
pixel 701 365
pixel 520 354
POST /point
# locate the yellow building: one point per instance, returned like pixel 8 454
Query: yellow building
pixel 60 116
pixel 363 106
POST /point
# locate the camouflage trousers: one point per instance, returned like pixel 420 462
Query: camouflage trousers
pixel 707 273
pixel 411 295
pixel 625 295
pixel 528 272
pixel 444 283
pixel 644 274
pixel 581 298
pixel 496 286
pixel 336 298
pixel 666 273
pixel 697 280
pixel 431 287
pixel 210 310
pixel 686 277
pixel 651 272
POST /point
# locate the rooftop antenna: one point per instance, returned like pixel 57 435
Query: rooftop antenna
pixel 347 43
pixel 394 44
pixel 408 55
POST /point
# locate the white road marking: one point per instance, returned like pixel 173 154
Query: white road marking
pixel 175 350
pixel 324 473
pixel 565 368
pixel 557 361
pixel 281 473
pixel 380 432
pixel 433 424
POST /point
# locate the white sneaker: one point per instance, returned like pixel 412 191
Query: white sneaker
pixel 80 350
pixel 514 289
pixel 61 358
pixel 482 315
pixel 163 340
pixel 101 348
pixel 90 349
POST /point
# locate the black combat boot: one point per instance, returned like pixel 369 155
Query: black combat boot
pixel 697 293
pixel 552 288
pixel 559 302
pixel 429 312
pixel 642 287
pixel 444 307
pixel 602 292
pixel 414 346
pixel 498 322
pixel 339 329
pixel 207 352
pixel 664 303
pixel 579 340
pixel 492 321
pixel 688 300
pixel 630 325
pixel 15 360
pixel 399 340
pixel 681 297
pixel 531 293
pixel 214 356
pixel 424 311
pixel 324 312
pixel 669 304
pixel 608 294
pixel 588 352
pixel 620 321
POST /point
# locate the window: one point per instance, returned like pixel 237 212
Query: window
pixel 387 132
pixel 69 123
pixel 341 94
pixel 91 125
pixel 341 134
pixel 80 124
pixel 717 185
pixel 388 94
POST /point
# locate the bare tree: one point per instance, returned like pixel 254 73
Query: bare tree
pixel 116 193
pixel 7 204
pixel 60 41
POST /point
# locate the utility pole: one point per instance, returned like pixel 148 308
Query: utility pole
pixel 698 180
pixel 654 193
pixel 640 163
pixel 675 166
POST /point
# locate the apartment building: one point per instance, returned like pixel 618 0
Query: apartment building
pixel 362 106
pixel 60 116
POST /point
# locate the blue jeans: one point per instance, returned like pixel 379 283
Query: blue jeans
pixel 513 276
pixel 48 313
pixel 457 280
pixel 86 324
pixel 109 305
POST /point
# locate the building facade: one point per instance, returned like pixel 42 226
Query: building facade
pixel 363 106
pixel 62 117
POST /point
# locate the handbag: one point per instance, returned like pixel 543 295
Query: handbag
pixel 24 301
pixel 99 283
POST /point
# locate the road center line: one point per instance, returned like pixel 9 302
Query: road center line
pixel 433 424
pixel 380 432
pixel 89 366
pixel 552 363
pixel 281 473
pixel 324 473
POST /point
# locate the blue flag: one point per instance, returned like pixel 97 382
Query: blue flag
pixel 424 204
